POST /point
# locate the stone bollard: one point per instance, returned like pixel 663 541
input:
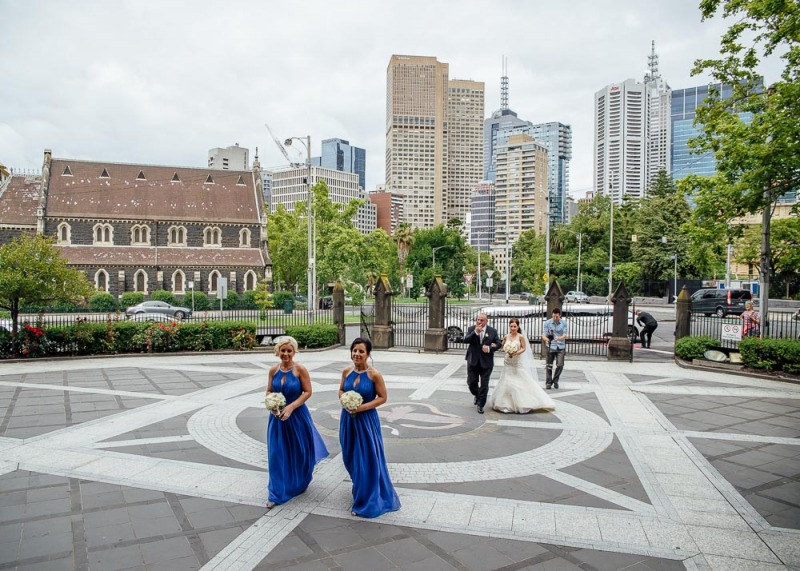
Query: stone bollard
pixel 683 318
pixel 435 334
pixel 338 311
pixel 383 331
pixel 619 346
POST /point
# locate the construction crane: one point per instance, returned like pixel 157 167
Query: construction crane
pixel 282 148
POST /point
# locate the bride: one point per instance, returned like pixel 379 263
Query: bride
pixel 517 390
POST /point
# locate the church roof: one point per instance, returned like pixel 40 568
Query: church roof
pixel 171 257
pixel 19 199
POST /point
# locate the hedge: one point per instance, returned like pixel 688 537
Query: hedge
pixel 314 336
pixel 694 347
pixel 771 354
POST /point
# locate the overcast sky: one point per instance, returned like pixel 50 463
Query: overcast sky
pixel 162 82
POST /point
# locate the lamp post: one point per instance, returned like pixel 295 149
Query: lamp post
pixel 580 236
pixel 547 242
pixel 480 279
pixel 614 175
pixel 433 252
pixel 508 268
pixel 675 277
pixel 312 269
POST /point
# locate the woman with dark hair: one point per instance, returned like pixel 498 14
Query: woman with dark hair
pixel 517 390
pixel 294 446
pixel 360 435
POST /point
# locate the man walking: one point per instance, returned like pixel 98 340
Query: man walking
pixel 482 342
pixel 554 336
pixel 649 324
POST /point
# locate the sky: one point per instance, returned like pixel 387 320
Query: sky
pixel 163 81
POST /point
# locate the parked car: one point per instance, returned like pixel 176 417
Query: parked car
pixel 720 302
pixel 576 297
pixel 152 317
pixel 160 307
pixel 326 302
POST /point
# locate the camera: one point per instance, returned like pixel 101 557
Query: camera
pixel 550 336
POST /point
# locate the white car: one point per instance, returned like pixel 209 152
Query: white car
pixel 576 297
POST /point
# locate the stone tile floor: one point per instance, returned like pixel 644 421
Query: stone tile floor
pixel 159 463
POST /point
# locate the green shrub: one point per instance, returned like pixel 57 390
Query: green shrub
pixel 103 302
pixel 79 338
pixel 158 337
pixel 694 347
pixel 280 296
pixel 771 354
pixel 165 296
pixel 195 337
pixel 232 301
pixel 313 336
pixel 248 300
pixel 201 301
pixel 130 298
pixel 6 346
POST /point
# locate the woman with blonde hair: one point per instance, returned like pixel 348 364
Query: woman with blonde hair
pixel 294 446
pixel 751 321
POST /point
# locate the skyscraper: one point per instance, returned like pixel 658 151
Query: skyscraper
pixel 433 139
pixel 229 158
pixel 659 136
pixel 620 139
pixel 557 139
pixel 339 155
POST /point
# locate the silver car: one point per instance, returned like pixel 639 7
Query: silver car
pixel 576 297
pixel 159 307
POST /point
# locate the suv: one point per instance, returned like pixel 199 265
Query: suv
pixel 576 297
pixel 720 302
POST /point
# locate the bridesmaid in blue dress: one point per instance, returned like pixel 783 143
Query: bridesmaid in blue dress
pixel 294 445
pixel 361 439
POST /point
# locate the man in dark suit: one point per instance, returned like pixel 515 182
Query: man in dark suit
pixel 482 342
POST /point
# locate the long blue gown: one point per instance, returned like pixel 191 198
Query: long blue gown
pixel 294 445
pixel 363 456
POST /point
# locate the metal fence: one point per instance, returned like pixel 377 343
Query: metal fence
pixel 781 325
pixel 589 327
pixel 367 321
pixel 410 320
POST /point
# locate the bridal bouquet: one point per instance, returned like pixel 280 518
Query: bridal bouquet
pixel 351 400
pixel 510 347
pixel 275 402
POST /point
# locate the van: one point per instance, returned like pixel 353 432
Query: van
pixel 720 302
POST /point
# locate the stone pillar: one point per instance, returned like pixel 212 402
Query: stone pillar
pixel 435 334
pixel 619 346
pixel 382 331
pixel 338 311
pixel 683 317
pixel 553 298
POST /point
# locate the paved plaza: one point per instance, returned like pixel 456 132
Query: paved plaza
pixel 159 462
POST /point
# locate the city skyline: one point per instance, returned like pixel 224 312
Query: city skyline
pixel 163 84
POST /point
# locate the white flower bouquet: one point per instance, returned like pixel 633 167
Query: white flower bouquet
pixel 510 347
pixel 351 400
pixel 275 402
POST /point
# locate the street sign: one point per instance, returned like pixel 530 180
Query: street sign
pixel 410 280
pixel 544 278
pixel 489 282
pixel 468 278
pixel 732 332
pixel 606 268
pixel 489 273
pixel 222 288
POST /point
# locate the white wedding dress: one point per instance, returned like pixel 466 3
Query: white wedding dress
pixel 517 390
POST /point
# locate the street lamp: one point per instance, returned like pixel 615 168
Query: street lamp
pixel 434 255
pixel 580 236
pixel 615 175
pixel 480 279
pixel 312 269
pixel 674 258
pixel 547 242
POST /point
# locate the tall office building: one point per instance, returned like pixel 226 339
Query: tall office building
pixel 289 188
pixel 389 209
pixel 659 135
pixel 620 140
pixel 339 155
pixel 229 158
pixel 482 217
pixel 465 104
pixel 433 139
pixel 557 139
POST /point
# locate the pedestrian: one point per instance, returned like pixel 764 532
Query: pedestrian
pixel 360 436
pixel 649 324
pixel 294 446
pixel 751 321
pixel 482 342
pixel 554 336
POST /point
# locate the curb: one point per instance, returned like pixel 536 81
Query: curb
pixel 740 371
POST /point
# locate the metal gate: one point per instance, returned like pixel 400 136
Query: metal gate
pixel 410 320
pixel 367 320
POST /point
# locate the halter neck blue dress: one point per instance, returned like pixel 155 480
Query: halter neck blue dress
pixel 362 453
pixel 294 446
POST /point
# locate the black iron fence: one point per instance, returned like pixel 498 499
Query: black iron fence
pixel 367 321
pixel 410 320
pixel 781 325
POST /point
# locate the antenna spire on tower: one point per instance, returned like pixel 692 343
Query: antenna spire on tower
pixel 652 62
pixel 504 85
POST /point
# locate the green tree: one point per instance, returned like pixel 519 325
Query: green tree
pixel 784 245
pixel 288 245
pixel 757 161
pixel 32 271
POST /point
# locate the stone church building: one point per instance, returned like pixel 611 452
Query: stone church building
pixel 134 227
